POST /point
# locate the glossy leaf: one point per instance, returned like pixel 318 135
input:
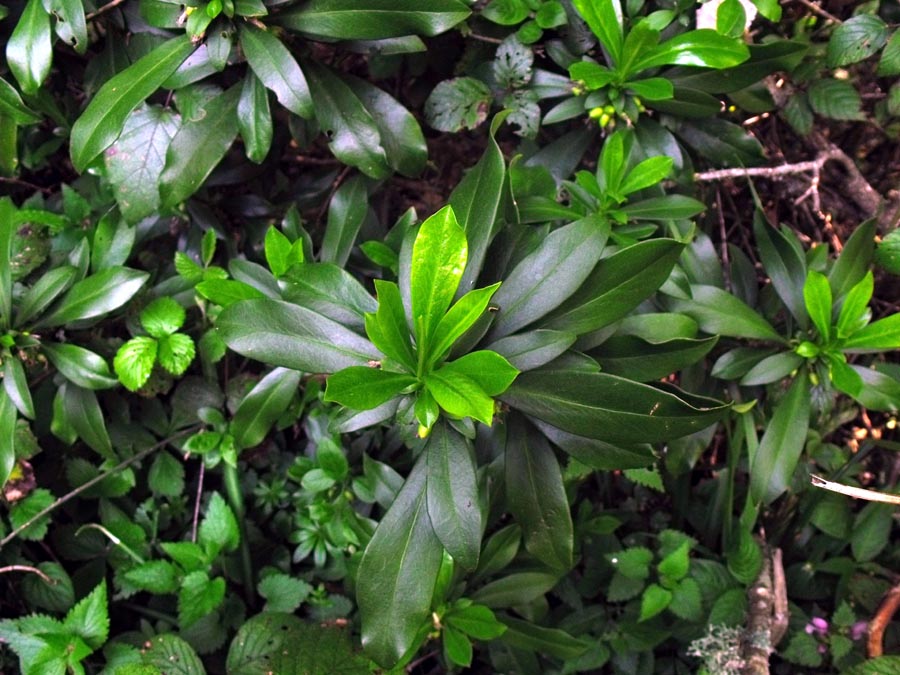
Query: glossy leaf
pixel 772 369
pixel 856 39
pixel 226 292
pixel 549 275
pixel 134 361
pixel 104 118
pixel 878 336
pixel 537 497
pixel 617 285
pixel 96 295
pixel 784 264
pixel 16 386
pixel 387 327
pixel 854 260
pixel 353 134
pixel 610 408
pixel 79 365
pixel 452 495
pixel 136 160
pixel 12 106
pixel 477 202
pixel 283 334
pixel 346 212
pixel 7 437
pixel 255 118
pixel 531 637
pixel 438 259
pixel 779 450
pixel 330 291
pixel 364 387
pixel 604 17
pixel 46 289
pixel 720 313
pixel 262 406
pixel 277 69
pixel 460 395
pixel 703 48
pixel 530 350
pixel 198 147
pixel 517 589
pixel 855 311
pixel 400 133
pixel 374 19
pixel 817 297
pixel 84 414
pixel 489 370
pixel 880 391
pixel 29 51
pixel 397 572
pixel 644 361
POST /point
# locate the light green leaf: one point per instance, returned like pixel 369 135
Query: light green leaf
pixel 162 317
pixel 219 529
pixel 460 318
pixel 134 361
pixel 460 395
pixel 70 26
pixel 605 20
pixel 364 388
pixel 104 118
pixel 387 327
pixel 817 297
pixel 89 619
pixel 176 352
pixel 654 600
pixel 156 576
pixel 649 172
pixel 24 510
pixel 488 369
pixel 199 595
pixel 704 48
pixel 12 106
pixel 29 51
pixel 881 335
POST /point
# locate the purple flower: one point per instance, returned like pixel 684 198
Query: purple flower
pixel 817 625
pixel 859 630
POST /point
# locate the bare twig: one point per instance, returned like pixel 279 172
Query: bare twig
pixel 25 183
pixel 761 171
pixel 197 502
pixel 855 492
pixel 108 7
pixel 767 614
pixel 879 622
pixel 28 568
pixel 91 483
pixel 815 9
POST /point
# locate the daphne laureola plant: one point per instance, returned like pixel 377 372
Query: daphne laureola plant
pixel 269 429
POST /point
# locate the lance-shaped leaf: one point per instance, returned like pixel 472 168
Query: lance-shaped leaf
pixel 198 147
pixel 364 388
pixel 719 312
pixel 779 450
pixel 604 17
pixel 12 106
pixel 817 298
pixel 460 318
pixel 7 437
pixel 452 495
pixel 7 231
pixel 255 118
pixel 29 51
pixel 610 408
pixel 881 335
pixel 438 259
pixel 527 351
pixel 331 291
pixel 136 160
pixel 616 285
pixel 703 48
pixel 397 573
pixel 387 327
pixel 549 275
pixel 277 69
pixel 283 334
pixel 537 497
pixel 80 365
pixel 96 295
pixel 262 406
pixel 71 25
pixel 784 263
pixel 83 412
pixel 16 385
pixel 104 118
pixel 374 19
pixel 353 133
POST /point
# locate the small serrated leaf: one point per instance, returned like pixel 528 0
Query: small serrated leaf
pixel 176 352
pixel 134 361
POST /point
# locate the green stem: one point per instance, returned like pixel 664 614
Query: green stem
pixel 236 500
pixel 9 152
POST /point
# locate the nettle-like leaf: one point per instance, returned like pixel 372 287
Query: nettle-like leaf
pixel 176 352
pixel 162 317
pixel 134 361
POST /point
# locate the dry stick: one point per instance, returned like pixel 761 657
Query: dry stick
pixel 27 568
pixel 196 519
pixel 767 615
pixel 879 622
pixel 91 483
pixel 855 492
pixel 821 12
pixel 103 10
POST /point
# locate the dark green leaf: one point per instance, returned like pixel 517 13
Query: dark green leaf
pixel 506 12
pixel 96 295
pixel 779 450
pixel 173 655
pixel 772 369
pixel 198 147
pixel 837 99
pixel 7 437
pixel 880 391
pixel 719 312
pixel 871 531
pixel 84 414
pixel 722 142
pixel 29 50
pixel 604 17
pixel 57 596
pixel 536 496
pixel 477 202
pixel 103 120
pixel 549 275
pixel 28 508
pixel 262 406
pixel 515 590
pixel 353 134
pixel 397 573
pixel 283 593
pixel 166 475
pixel 79 365
pixel 219 529
pixel 527 351
pixel 16 386
pixel 12 106
pixel 136 160
pixel 528 636
pixel 616 285
pixel 889 64
pixel 346 212
pixel 255 118
pixel 610 408
pixel 452 495
pixel 374 19
pixel 784 264
pixel 599 454
pixel 636 358
pixel 276 68
pixel 286 335
pixel 856 39
pixel 882 665
pixel 401 136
